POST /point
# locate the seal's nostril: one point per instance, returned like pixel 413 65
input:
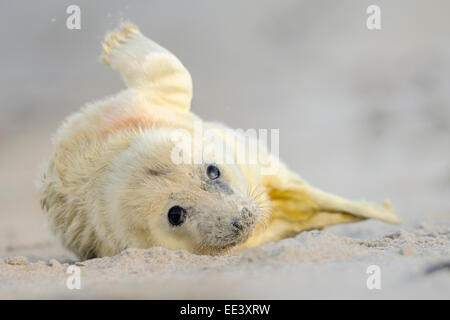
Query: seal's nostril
pixel 246 213
pixel 237 226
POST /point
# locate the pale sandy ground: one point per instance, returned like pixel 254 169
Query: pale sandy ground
pixel 361 114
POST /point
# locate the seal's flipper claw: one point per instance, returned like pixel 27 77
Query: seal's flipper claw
pixel 147 67
pixel 113 40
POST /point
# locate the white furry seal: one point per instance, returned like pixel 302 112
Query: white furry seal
pixel 111 183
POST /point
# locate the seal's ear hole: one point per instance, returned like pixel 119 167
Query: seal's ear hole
pixel 176 215
pixel 212 172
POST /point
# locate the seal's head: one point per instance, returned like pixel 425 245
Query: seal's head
pixel 205 208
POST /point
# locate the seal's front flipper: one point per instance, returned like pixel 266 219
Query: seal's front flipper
pixel 148 67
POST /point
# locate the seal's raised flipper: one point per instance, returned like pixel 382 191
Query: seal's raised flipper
pixel 148 67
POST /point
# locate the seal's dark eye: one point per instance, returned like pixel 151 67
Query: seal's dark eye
pixel 213 172
pixel 176 215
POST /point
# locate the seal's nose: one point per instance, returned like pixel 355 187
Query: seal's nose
pixel 236 226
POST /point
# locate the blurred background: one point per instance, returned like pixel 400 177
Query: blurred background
pixel 362 113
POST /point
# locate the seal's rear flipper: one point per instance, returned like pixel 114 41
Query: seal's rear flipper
pixel 333 204
pixel 148 67
pixel 298 207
